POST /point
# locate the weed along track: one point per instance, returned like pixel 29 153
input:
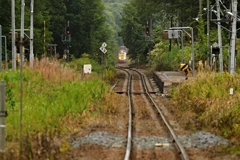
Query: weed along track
pixel 147 123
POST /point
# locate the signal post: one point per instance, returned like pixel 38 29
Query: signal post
pixel 66 39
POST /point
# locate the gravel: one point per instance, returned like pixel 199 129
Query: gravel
pixel 196 140
pixel 200 139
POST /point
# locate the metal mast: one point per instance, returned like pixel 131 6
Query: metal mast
pixel 31 56
pixel 13 36
pixel 219 38
pixel 21 68
pixel 233 37
pixel 208 30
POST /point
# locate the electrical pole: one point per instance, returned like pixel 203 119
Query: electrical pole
pixel 208 30
pixel 31 55
pixel 13 36
pixel 22 32
pixel 200 7
pixel 21 68
pixel 219 38
pixel 233 37
pixel 0 48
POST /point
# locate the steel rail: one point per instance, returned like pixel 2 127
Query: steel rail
pixel 129 138
pixel 175 139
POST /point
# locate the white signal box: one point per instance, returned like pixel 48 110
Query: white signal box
pixel 87 68
pixel 172 34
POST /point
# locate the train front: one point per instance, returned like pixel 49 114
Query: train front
pixel 122 56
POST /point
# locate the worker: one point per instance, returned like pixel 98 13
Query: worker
pixel 185 68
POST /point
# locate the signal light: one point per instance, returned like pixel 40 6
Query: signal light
pixel 216 50
pixel 147 31
pixel 68 30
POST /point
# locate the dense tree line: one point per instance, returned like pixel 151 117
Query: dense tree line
pixel 164 14
pixel 116 22
pixel 90 25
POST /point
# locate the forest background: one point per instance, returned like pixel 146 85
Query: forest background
pixel 116 22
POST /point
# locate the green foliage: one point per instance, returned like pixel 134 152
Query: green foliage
pixel 163 59
pixel 110 74
pixel 10 78
pixel 87 24
pixel 235 150
pixel 113 13
pixel 46 103
pixel 78 63
pixel 116 1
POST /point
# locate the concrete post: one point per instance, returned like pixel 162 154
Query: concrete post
pixel 0 48
pixel 2 115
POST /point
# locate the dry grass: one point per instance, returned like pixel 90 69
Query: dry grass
pixel 52 70
pixel 208 97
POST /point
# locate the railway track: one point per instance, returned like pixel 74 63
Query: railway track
pixel 146 116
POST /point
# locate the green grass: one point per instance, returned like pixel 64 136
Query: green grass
pixel 56 102
pixel 51 92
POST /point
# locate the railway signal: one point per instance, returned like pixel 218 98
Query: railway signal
pixel 68 30
pixel 215 50
pixel 147 31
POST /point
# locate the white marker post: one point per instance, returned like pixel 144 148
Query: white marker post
pixel 3 115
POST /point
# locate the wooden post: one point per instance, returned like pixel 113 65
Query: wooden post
pixel 3 115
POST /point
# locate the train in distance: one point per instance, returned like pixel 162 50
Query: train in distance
pixel 122 54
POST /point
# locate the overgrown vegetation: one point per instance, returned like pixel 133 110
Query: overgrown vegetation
pixel 212 106
pixel 57 101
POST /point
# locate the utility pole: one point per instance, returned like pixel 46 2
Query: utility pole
pixel 208 30
pixel 200 7
pixel 22 32
pixel 13 36
pixel 233 37
pixel 31 56
pixel 0 48
pixel 219 38
pixel 21 68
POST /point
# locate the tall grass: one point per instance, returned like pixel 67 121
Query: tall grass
pixel 55 100
pixel 208 96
